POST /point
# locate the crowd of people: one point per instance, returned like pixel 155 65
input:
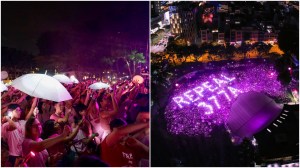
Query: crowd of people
pixel 104 127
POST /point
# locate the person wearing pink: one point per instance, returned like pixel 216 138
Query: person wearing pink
pixel 34 143
pixel 50 130
pixel 58 114
pixel 13 131
pixel 119 150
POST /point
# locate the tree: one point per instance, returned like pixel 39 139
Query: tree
pixel 109 62
pixel 132 60
pixel 136 58
pixel 156 57
pixel 288 40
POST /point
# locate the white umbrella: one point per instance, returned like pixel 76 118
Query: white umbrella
pixel 3 87
pixel 42 86
pixel 73 79
pixel 99 85
pixel 63 79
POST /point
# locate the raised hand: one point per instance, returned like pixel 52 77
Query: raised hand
pixel 66 131
pixel 35 111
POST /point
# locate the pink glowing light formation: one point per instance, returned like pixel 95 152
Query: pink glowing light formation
pixel 207 18
pixel 196 106
pixel 219 87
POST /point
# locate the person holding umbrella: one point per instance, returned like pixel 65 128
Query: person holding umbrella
pixel 13 130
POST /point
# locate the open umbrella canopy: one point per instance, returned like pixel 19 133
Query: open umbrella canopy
pixel 42 86
pixel 73 79
pixel 63 79
pixel 3 87
pixel 251 113
pixel 99 85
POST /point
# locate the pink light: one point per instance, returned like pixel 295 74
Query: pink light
pixel 215 100
pixel 290 68
pixel 32 154
pixel 190 97
pixel 219 81
pixel 199 90
pixel 201 97
pixel 176 84
pixel 209 107
pixel 234 91
pixel 209 87
pixel 225 94
pixel 227 78
pixel 180 100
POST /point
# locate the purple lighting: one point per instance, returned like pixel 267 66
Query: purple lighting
pixel 206 99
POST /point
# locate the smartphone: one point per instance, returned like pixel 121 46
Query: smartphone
pixel 9 114
pixel 110 90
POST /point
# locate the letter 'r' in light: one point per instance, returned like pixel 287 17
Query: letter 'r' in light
pixel 190 97
pixel 180 100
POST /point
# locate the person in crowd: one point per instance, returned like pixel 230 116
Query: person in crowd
pixel 33 143
pixel 82 115
pixel 50 130
pixel 143 116
pixel 89 161
pixel 73 114
pixel 58 114
pixel 92 115
pixel 119 150
pixel 13 130
pixel 101 124
pixel 85 134
pixel 45 110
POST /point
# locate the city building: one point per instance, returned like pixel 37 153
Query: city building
pixel 225 22
pixel 156 8
pixel 175 22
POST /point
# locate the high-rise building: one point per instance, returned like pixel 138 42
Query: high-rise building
pixel 236 35
pixel 189 26
pixel 156 8
pixel 183 22
pixel 175 21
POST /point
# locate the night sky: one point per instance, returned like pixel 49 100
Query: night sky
pixel 24 22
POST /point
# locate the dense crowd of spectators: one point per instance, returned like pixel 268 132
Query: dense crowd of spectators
pixel 105 127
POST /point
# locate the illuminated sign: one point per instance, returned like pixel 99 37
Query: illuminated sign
pixel 205 98
pixel 218 88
